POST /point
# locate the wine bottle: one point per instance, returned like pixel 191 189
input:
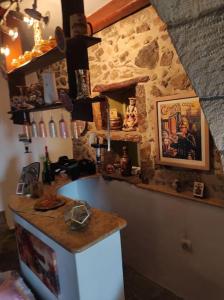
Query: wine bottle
pixel 47 174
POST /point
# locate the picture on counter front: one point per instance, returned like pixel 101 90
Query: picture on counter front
pixel 39 257
pixel 198 189
pixel 182 133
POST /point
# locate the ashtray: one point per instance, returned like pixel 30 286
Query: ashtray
pixel 77 215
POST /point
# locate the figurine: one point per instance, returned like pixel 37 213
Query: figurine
pixel 131 118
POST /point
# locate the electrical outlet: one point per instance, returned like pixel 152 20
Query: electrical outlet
pixel 186 245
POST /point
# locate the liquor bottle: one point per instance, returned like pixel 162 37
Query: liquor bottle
pixel 26 127
pixel 47 174
pixel 125 163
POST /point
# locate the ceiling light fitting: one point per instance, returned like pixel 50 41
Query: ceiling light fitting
pixel 5 4
pixel 35 14
pixel 16 14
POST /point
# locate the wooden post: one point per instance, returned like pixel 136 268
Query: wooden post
pixel 76 54
pixel 70 7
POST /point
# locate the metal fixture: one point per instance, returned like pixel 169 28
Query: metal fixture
pixel 5 4
pixel 12 32
pixel 18 15
pixel 35 14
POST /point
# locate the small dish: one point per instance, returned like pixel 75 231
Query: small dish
pixel 48 204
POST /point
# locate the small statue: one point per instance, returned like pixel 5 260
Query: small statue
pixel 131 116
pixel 125 163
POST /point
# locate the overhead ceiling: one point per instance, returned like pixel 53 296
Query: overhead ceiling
pixel 91 6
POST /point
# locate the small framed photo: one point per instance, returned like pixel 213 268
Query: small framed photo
pixel 20 188
pixel 198 189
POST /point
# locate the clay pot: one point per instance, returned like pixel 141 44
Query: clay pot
pixel 115 123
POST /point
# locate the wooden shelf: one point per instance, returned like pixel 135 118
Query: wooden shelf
pixel 37 63
pixel 119 135
pixel 52 56
pixel 56 105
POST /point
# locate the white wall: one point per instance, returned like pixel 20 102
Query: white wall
pixel 157 223
pixel 12 157
pixel 91 6
pixel 54 8
pixel 12 151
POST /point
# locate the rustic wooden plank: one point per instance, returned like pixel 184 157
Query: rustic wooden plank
pixel 114 11
pixel 102 88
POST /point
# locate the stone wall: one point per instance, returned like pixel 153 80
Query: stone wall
pixel 139 45
pixel 196 30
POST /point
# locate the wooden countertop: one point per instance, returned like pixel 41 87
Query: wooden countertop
pixel 51 223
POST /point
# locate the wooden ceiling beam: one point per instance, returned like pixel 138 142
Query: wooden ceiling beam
pixel 114 11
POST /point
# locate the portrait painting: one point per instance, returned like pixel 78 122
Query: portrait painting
pixel 182 133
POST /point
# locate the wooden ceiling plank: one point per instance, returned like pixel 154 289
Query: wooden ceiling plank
pixel 114 11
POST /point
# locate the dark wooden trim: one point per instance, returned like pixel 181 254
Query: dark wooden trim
pixel 114 11
pixel 102 88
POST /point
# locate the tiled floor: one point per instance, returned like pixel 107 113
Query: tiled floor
pixel 137 287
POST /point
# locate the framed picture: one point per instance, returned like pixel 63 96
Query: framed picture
pixel 182 132
pixel 20 188
pixel 39 258
pixel 198 189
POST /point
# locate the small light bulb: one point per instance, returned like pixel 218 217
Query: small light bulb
pixel 13 34
pixel 28 21
pixel 5 51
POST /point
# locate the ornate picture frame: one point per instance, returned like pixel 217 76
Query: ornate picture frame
pixel 182 132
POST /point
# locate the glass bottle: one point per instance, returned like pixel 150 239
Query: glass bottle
pixel 74 130
pixel 34 130
pixel 52 128
pixel 42 128
pixel 47 173
pixel 26 127
pixel 63 128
